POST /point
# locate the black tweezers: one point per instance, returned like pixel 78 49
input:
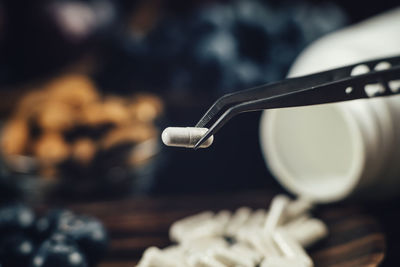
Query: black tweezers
pixel 324 87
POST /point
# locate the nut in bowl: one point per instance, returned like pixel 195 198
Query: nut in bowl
pixel 68 138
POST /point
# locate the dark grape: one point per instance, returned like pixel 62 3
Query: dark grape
pixel 59 251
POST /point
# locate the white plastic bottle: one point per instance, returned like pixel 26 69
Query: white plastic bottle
pixel 329 152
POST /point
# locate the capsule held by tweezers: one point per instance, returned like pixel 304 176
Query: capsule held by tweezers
pixel 185 137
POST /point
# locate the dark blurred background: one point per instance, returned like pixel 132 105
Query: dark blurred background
pixel 87 86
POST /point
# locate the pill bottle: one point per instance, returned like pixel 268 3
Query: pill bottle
pixel 335 151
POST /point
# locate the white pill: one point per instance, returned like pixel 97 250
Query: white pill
pixel 154 257
pixel 256 219
pixel 245 251
pixel 239 218
pixel 221 220
pixel 297 208
pixel 179 230
pixel 281 262
pixel 203 260
pixel 293 224
pixel 203 244
pixel 290 248
pixel 185 137
pixel 262 244
pixel 308 232
pixel 229 258
pixel 276 214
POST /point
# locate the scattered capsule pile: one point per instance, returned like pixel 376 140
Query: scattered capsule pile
pixel 277 237
pixel 59 238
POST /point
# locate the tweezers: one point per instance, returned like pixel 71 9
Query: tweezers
pixel 381 77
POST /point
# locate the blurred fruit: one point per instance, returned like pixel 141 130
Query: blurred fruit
pixel 83 150
pixel 51 148
pixel 56 116
pixel 46 225
pixel 14 137
pixel 89 234
pixel 73 89
pixel 61 251
pixel 15 217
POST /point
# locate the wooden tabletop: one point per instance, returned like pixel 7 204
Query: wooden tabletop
pixel 136 223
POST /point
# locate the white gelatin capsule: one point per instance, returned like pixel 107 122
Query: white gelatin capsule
pixel 297 208
pixel 179 230
pixel 221 220
pixel 262 244
pixel 239 218
pixel 245 251
pixel 281 262
pixel 276 214
pixel 308 231
pixel 256 219
pixel 185 137
pixel 229 258
pixel 154 257
pixel 203 260
pixel 203 244
pixel 290 248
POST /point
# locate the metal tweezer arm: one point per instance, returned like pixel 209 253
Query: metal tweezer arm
pixel 320 88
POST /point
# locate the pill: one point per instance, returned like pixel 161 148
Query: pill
pixel 221 220
pixel 185 137
pixel 261 243
pixel 276 214
pixel 245 251
pixel 281 262
pixel 240 216
pixel 203 260
pixel 153 257
pixel 294 223
pixel 256 219
pixel 297 208
pixel 206 227
pixel 229 258
pixel 308 232
pixel 179 229
pixel 290 248
pixel 203 244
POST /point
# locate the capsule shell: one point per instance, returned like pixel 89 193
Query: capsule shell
pixel 185 137
pixel 276 214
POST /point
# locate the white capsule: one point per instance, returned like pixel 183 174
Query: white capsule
pixel 290 248
pixel 308 231
pixel 185 137
pixel 262 244
pixel 154 257
pixel 229 258
pixel 276 214
pixel 297 208
pixel 238 219
pixel 245 251
pixel 180 230
pixel 203 244
pixel 203 260
pixel 256 219
pixel 281 262
pixel 221 220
